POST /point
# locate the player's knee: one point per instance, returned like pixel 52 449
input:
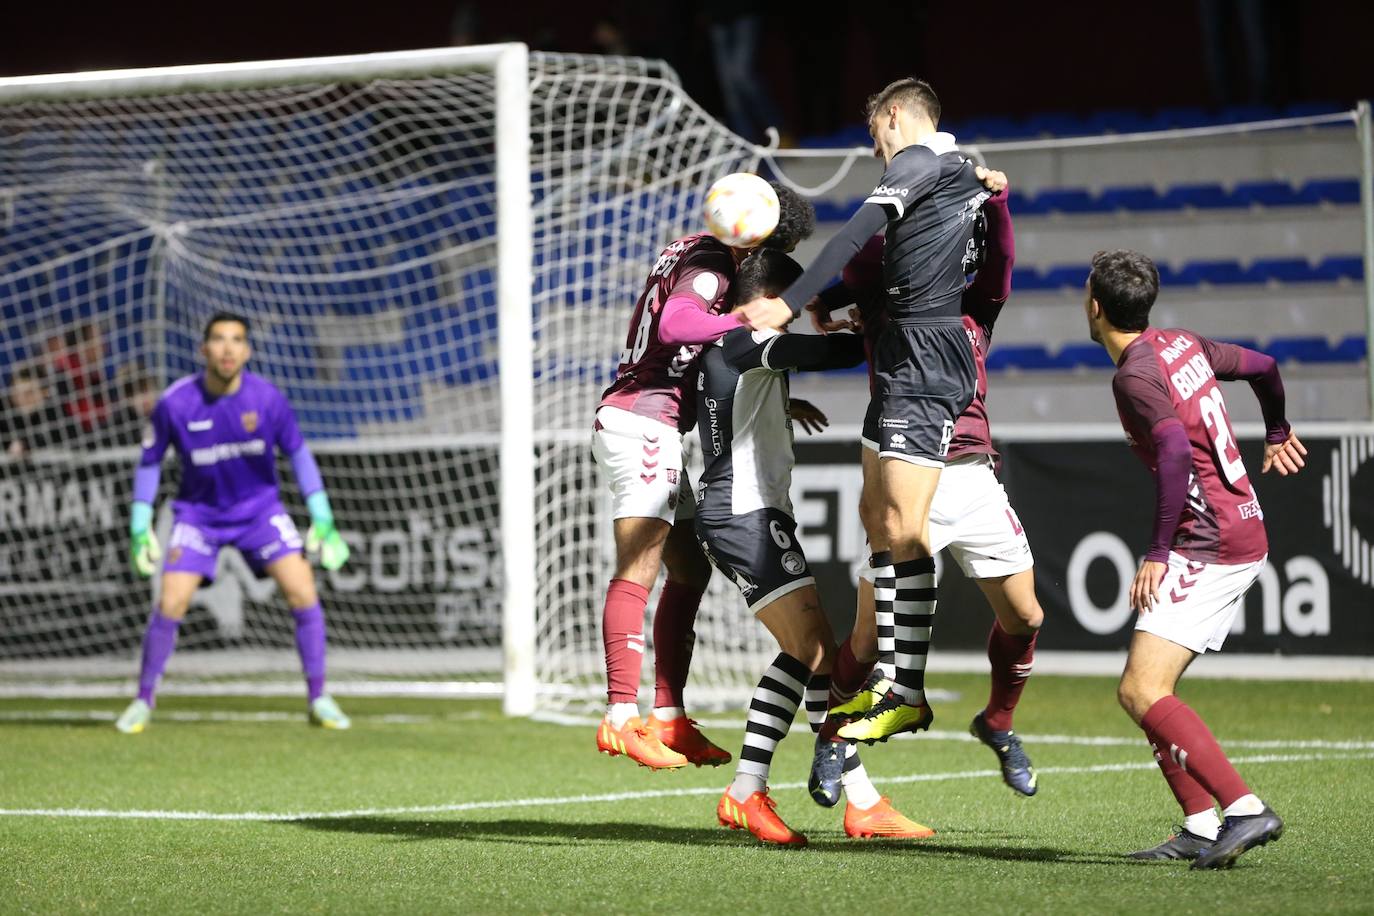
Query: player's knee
pixel 301 595
pixel 1137 696
pixel 1026 621
pixel 174 608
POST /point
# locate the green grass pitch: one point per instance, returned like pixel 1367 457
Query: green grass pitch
pixel 444 806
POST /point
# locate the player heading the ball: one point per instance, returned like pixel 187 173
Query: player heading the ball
pixel 226 425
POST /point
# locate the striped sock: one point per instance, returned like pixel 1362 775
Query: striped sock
pixel 817 701
pixel 913 617
pixel 771 712
pixel 884 596
pixel 858 788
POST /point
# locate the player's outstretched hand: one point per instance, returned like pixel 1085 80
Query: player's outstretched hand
pixel 144 553
pixel 822 321
pixel 808 415
pixel 992 179
pixel 1145 588
pixel 767 314
pixel 323 538
pixel 1287 457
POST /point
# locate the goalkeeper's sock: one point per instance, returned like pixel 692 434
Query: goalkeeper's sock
pixel 673 641
pixel 622 633
pixel 159 641
pixel 310 646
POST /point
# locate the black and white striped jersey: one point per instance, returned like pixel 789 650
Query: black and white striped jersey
pixel 745 429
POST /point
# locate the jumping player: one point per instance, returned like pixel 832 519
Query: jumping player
pixel 1207 548
pixel 928 199
pixel 970 513
pixel 637 443
pixel 744 519
pixel 226 425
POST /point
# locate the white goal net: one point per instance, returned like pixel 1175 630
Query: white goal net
pixel 389 245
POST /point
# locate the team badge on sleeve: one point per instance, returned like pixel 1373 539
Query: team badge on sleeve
pixel 249 419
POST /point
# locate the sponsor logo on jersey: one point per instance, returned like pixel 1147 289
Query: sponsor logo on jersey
pixel 174 556
pixel 227 451
pixel 1251 509
pixel 1173 351
pixel 946 437
pixel 249 419
pixel 672 475
pixel 883 190
pixel 149 436
pixel 200 426
pixel 793 562
pixel 897 441
pixel 889 423
pixel 746 585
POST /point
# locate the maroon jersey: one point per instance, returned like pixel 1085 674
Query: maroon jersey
pixel 1167 374
pixel 652 376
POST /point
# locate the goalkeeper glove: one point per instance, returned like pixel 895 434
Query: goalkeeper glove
pixel 323 538
pixel 143 548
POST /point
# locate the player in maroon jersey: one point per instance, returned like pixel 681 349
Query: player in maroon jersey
pixel 637 443
pixel 970 513
pixel 1207 548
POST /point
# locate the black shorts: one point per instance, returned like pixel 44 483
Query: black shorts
pixel 924 376
pixel 758 551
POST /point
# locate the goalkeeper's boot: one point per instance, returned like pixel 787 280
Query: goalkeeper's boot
pixel 759 815
pixel 682 735
pixel 635 741
pixel 1239 833
pixel 827 766
pixel 326 713
pixel 1017 771
pixel 135 718
pixel 882 821
pixel 868 696
pixel 1181 844
pixel 892 715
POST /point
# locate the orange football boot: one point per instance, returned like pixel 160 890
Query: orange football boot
pixel 635 741
pixel 681 735
pixel 882 821
pixel 758 815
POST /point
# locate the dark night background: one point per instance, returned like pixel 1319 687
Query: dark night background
pixel 818 61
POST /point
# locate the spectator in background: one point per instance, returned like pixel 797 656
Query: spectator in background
pixel 78 376
pixel 734 40
pixel 138 394
pixel 28 418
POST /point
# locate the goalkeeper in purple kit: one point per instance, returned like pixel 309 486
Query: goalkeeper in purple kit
pixel 226 425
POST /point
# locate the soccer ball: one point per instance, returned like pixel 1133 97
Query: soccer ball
pixel 741 210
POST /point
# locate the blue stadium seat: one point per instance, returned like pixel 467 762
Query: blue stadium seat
pixel 1217 273
pixel 1332 190
pixel 1302 350
pixel 1025 205
pixel 1352 349
pixel 1342 267
pixel 1140 198
pixel 1070 275
pixel 1266 194
pixel 1028 278
pixel 1070 200
pixel 1200 197
pixel 1088 356
pixel 1022 357
pixel 1282 270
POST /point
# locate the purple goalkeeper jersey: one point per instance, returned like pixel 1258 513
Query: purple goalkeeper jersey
pixel 226 445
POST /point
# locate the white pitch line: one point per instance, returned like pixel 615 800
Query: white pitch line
pixel 102 715
pixel 1277 744
pixel 559 801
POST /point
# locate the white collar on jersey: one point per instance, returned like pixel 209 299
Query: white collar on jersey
pixel 940 143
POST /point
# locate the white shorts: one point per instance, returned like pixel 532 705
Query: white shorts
pixel 1198 602
pixel 971 515
pixel 641 461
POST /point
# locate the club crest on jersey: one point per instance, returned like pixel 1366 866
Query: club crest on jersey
pixel 672 475
pixel 793 562
pixel 249 419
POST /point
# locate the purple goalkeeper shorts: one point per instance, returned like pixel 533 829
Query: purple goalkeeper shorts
pixel 195 543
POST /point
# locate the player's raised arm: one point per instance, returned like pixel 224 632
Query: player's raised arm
pixel 687 319
pixel 1282 450
pixel 988 292
pixel 322 538
pixel 143 547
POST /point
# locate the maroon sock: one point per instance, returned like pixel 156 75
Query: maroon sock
pixel 1011 658
pixel 673 641
pixel 1192 797
pixel 847 675
pixel 1181 733
pixel 622 632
